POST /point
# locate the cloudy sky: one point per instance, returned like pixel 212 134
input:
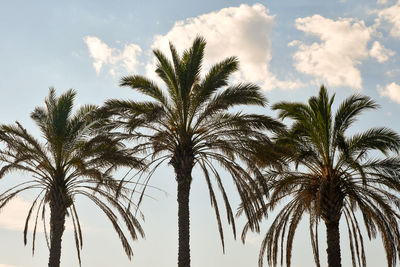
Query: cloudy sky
pixel 288 47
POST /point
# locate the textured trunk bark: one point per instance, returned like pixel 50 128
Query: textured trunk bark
pixel 183 162
pixel 333 240
pixel 331 207
pixel 184 223
pixel 57 222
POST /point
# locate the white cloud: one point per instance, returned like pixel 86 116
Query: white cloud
pixel 235 31
pixel 381 53
pixel 392 15
pixel 13 215
pixel 113 57
pixel 253 239
pixel 392 73
pixel 392 91
pixel 381 2
pixel 7 265
pixel 342 46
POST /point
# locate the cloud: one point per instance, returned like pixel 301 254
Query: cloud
pixel 242 31
pixel 393 73
pixel 381 53
pixel 381 2
pixel 392 91
pixel 342 46
pixel 7 265
pixel 13 217
pixel 116 59
pixel 392 16
pixel 14 214
pixel 253 239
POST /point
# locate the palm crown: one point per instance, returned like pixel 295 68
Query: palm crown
pixel 189 124
pixel 73 160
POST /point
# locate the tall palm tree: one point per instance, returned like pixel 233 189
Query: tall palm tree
pixel 73 160
pixel 333 175
pixel 190 123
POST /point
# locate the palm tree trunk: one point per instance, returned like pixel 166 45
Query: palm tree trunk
pixel 183 162
pixel 184 222
pixel 331 206
pixel 57 222
pixel 333 240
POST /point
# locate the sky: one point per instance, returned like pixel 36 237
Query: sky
pixel 289 48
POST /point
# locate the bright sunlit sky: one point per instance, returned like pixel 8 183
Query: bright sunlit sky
pixel 287 47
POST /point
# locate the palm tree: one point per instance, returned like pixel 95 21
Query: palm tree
pixel 74 160
pixel 333 175
pixel 189 123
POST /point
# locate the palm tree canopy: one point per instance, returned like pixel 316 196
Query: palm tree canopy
pixel 191 121
pixel 333 174
pixel 73 160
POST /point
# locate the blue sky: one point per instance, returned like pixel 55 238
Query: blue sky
pixel 289 48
